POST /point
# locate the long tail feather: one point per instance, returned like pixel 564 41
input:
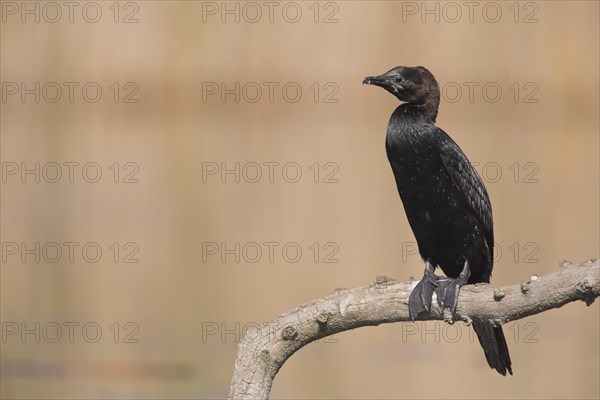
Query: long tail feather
pixel 494 346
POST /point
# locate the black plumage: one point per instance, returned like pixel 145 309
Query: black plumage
pixel 445 201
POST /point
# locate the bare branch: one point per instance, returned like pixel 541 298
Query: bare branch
pixel 263 351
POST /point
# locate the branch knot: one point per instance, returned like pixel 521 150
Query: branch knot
pixel 499 294
pixel 289 333
pixel 322 318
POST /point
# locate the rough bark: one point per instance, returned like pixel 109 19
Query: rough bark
pixel 263 351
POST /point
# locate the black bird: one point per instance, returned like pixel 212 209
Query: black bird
pixel 445 201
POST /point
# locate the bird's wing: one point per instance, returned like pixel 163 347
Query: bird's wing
pixel 470 185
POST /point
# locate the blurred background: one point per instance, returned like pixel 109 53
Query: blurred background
pixel 174 173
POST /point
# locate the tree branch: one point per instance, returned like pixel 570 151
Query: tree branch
pixel 264 350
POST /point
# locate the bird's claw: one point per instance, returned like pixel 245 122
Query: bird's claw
pixel 420 297
pixel 447 289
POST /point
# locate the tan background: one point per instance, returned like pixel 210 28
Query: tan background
pixel 177 300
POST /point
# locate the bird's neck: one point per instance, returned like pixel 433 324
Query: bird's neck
pixel 426 110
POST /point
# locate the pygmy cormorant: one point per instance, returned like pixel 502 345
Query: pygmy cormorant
pixel 445 201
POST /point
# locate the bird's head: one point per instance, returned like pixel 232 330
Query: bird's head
pixel 410 84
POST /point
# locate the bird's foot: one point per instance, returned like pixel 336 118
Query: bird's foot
pixel 447 289
pixel 420 297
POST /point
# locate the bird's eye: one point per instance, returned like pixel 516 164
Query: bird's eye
pixel 398 78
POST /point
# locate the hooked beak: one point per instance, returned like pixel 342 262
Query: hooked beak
pixel 380 81
pixel 372 80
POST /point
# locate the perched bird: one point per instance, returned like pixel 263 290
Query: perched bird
pixel 445 201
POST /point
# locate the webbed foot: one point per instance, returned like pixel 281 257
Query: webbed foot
pixel 420 297
pixel 447 289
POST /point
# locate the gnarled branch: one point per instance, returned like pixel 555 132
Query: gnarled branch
pixel 263 351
